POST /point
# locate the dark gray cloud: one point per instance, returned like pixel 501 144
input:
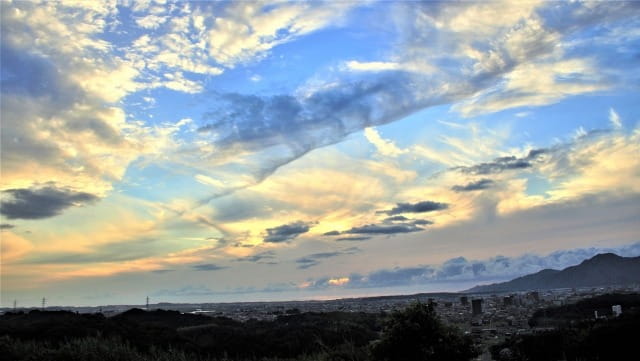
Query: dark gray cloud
pixel 356 239
pixel 501 164
pixel 384 229
pixel 421 222
pixel 405 220
pixel 259 257
pixel 474 186
pixel 6 226
pixel 391 225
pixel 286 232
pixel 207 267
pixel 393 277
pixel 315 258
pixel 396 219
pixel 420 207
pixel 161 271
pixel 38 203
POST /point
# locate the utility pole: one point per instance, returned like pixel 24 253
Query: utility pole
pixel 44 302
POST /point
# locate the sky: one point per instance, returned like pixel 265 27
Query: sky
pixel 250 151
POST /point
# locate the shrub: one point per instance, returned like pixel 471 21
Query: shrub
pixel 416 334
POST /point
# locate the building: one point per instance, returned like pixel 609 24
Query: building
pixel 535 296
pixel 508 301
pixel 476 306
pixel 464 300
pixel 617 310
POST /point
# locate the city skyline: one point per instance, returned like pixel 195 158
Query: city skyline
pixel 240 151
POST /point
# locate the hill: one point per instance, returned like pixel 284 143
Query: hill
pixel 605 269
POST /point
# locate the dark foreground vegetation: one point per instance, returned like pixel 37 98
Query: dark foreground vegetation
pixel 413 334
pixel 575 334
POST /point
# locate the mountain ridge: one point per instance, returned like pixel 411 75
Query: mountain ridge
pixel 599 270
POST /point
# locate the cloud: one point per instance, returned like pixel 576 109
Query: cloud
pixel 474 186
pixel 162 271
pixel 384 146
pixel 463 271
pixel 286 232
pixel 331 233
pixel 421 222
pixel 384 229
pixel 207 267
pixel 258 257
pixel 262 133
pixel 501 164
pixel 61 88
pixel 6 226
pixel 395 219
pixel 315 258
pixel 392 277
pixel 151 21
pixel 132 249
pixel 614 118
pixel 247 31
pixel 420 207
pixel 373 66
pixel 357 239
pixel 38 203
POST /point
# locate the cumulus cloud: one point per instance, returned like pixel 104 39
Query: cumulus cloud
pixel 392 277
pixel 44 202
pixel 474 186
pixel 420 207
pixel 286 232
pixel 460 269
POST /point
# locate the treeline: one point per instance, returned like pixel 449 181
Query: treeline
pixel 579 336
pixel 412 334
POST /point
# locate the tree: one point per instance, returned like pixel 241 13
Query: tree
pixel 416 334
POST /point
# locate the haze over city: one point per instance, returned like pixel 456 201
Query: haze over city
pixel 248 151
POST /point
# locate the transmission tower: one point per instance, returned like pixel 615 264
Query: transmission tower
pixel 44 302
pixel 147 303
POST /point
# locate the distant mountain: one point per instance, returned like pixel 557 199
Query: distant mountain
pixel 602 270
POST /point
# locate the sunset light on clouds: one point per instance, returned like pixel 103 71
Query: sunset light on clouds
pixel 227 151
